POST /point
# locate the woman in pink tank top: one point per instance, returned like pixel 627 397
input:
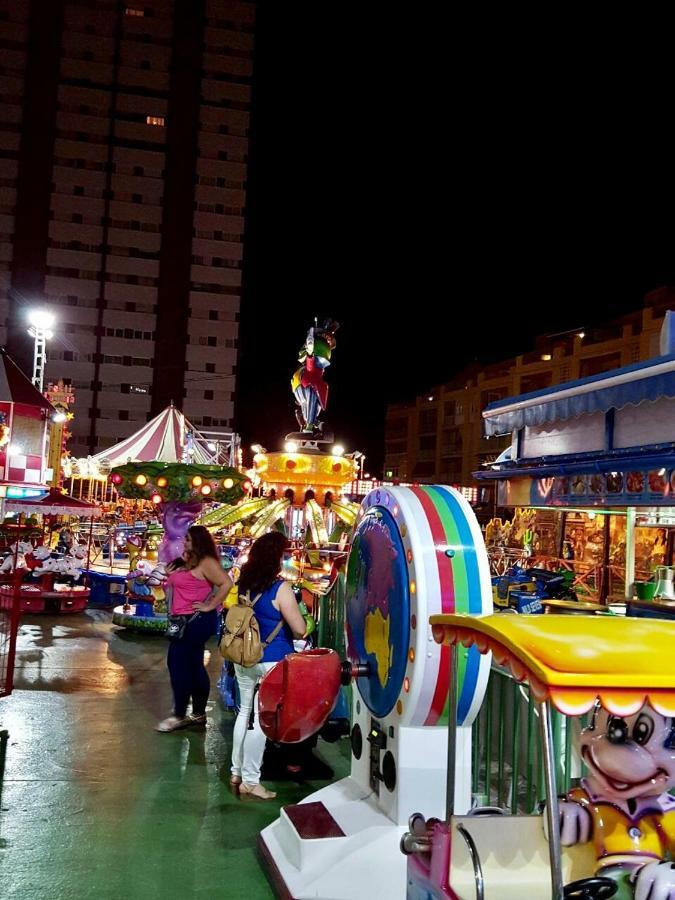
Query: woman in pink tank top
pixel 196 591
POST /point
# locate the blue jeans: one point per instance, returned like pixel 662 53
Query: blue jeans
pixel 189 678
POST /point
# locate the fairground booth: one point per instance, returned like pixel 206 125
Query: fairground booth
pixel 590 474
pixel 25 417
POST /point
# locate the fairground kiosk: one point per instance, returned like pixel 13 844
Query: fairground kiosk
pixel 596 459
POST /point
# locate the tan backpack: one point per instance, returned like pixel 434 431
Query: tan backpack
pixel 240 641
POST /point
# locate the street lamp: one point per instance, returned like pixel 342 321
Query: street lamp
pixel 41 322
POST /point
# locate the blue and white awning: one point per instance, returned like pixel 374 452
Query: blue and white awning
pixel 630 385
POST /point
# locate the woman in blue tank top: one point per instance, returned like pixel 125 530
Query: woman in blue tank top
pixel 276 606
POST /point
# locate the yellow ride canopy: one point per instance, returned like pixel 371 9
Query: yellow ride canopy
pixel 575 660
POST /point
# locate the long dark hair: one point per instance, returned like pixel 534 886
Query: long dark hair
pixel 261 569
pixel 203 544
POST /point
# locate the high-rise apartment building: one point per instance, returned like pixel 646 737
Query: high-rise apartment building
pixel 123 158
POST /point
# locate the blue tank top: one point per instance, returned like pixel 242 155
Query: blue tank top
pixel 268 618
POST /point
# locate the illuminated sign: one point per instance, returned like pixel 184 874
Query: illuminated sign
pixel 14 492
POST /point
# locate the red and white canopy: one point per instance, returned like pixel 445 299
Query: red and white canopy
pixel 169 437
pixel 55 504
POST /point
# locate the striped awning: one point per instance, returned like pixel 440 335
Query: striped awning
pixel 631 385
pixel 169 437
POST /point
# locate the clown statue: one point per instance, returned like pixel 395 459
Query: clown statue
pixel 623 805
pixel 309 388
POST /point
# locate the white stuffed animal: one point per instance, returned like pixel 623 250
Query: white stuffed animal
pixel 42 553
pixel 47 565
pixel 72 567
pixel 17 552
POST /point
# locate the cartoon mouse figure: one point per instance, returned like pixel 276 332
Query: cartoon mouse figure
pixel 622 805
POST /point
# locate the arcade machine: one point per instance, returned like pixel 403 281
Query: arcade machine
pixel 416 551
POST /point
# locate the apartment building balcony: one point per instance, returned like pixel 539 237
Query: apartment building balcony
pixel 453 450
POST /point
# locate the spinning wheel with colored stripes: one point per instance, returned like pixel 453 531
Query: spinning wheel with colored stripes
pixel 416 552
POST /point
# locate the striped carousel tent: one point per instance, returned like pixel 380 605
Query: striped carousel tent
pixel 169 437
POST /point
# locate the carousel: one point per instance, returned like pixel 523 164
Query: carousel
pixel 171 471
pixel 49 575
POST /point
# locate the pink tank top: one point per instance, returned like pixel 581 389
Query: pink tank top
pixel 187 589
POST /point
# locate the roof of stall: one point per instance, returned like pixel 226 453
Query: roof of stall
pixel 55 504
pixel 16 387
pixel 630 385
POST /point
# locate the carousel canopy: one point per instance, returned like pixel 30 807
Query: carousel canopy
pixel 54 504
pixel 169 437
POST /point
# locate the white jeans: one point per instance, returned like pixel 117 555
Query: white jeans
pixel 248 746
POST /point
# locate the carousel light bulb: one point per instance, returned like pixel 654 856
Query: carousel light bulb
pixel 161 481
pixel 141 480
pixel 228 483
pixel 59 417
pixel 156 498
pixel 197 480
pixel 290 446
pixel 206 490
pixel 338 450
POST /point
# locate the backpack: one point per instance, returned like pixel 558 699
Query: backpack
pixel 240 641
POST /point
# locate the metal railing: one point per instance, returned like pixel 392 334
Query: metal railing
pixel 506 754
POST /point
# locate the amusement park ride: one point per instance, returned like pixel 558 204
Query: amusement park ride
pixel 415 552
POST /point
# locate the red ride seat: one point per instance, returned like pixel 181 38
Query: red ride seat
pixel 296 696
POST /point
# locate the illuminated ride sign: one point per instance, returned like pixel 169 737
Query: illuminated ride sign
pixel 19 492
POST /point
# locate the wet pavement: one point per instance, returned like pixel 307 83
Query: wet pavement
pixel 97 804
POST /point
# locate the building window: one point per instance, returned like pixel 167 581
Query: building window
pixel 213 315
pixel 139 170
pixel 208 395
pixel 154 120
pixel 130 11
pixel 210 367
pixel 124 415
pixel 211 341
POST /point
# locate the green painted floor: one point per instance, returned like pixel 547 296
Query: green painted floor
pixel 95 804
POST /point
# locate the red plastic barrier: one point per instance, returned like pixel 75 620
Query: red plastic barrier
pixel 297 695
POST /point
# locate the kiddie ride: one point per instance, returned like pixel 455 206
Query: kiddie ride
pixel 523 590
pixel 612 835
pixel 415 552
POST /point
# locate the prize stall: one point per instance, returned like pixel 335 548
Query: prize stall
pixel 591 469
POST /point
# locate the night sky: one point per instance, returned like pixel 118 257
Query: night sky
pixel 441 212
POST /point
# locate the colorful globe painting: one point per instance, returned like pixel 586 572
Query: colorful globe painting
pixel 378 609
